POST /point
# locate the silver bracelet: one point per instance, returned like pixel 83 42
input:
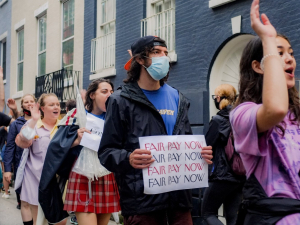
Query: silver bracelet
pixel 266 56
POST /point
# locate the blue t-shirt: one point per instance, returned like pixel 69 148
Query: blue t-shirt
pixel 101 116
pixel 165 100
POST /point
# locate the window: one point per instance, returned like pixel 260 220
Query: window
pixel 107 24
pixel 3 58
pixel 161 22
pixel 20 60
pixel 68 35
pixel 42 45
pixel 103 47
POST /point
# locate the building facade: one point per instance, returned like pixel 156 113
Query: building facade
pixel 47 47
pixel 5 44
pixel 205 39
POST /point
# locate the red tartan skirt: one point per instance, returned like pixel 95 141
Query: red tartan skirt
pixel 105 195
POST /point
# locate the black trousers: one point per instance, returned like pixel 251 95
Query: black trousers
pixel 18 198
pixel 221 192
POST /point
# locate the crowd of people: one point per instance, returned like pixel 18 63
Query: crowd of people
pixel 252 143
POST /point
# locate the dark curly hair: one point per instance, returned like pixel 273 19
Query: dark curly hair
pixel 91 89
pixel 251 83
pixel 133 74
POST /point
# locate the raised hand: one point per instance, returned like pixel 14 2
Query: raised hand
pixel 11 103
pixel 35 112
pixel 263 28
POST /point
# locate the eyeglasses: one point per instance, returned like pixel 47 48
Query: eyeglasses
pixel 214 96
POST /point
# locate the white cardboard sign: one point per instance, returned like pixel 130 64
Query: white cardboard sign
pixel 178 163
pixel 95 125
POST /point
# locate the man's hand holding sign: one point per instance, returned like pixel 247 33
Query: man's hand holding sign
pixel 172 162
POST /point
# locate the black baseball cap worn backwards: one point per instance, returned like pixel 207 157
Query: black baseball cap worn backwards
pixel 138 46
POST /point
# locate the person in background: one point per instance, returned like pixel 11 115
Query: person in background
pixel 105 196
pixel 225 187
pixel 36 135
pixel 14 153
pixel 265 124
pixel 70 104
pixel 91 206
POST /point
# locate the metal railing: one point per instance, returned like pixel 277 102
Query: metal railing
pixel 161 25
pixel 62 82
pixel 103 52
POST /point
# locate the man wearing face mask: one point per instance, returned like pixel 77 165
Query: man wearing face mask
pixel 145 106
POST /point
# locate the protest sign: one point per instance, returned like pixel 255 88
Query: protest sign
pixel 95 125
pixel 178 163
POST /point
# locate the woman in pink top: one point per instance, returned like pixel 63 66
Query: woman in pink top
pixel 44 120
pixel 265 124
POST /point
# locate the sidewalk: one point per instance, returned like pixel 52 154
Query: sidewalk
pixel 10 215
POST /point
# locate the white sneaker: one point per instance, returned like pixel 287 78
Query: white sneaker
pixel 5 196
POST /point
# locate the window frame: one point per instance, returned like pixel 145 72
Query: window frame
pixel 2 58
pixel 216 3
pixel 151 12
pixel 38 47
pixel 105 42
pixel 100 23
pixel 20 61
pixel 68 38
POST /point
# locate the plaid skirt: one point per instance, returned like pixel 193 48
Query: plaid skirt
pixel 105 196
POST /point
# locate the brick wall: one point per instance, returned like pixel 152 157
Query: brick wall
pixel 128 29
pixel 90 22
pixel 200 31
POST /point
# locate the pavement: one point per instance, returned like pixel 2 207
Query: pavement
pixel 10 215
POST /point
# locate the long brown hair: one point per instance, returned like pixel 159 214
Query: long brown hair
pixel 133 74
pixel 91 89
pixel 251 83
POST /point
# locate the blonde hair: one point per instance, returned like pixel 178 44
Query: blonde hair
pixel 22 101
pixel 227 91
pixel 41 101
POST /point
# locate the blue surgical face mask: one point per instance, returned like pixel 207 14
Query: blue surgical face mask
pixel 159 67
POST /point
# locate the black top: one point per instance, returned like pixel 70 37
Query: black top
pixel 3 137
pixel 217 137
pixel 259 209
pixel 4 119
pixel 131 115
pixel 13 153
pixel 59 161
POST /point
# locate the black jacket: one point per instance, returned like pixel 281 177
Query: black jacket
pixel 13 153
pixel 131 115
pixel 217 137
pixel 59 161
